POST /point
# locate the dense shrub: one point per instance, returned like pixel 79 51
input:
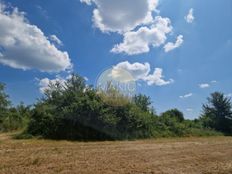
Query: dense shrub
pixel 15 118
pixel 12 118
pixel 143 102
pixel 74 111
pixel 174 114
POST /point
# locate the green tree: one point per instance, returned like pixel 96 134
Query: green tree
pixel 217 113
pixel 4 102
pixel 172 123
pixel 16 118
pixel 4 105
pixel 143 102
pixel 174 113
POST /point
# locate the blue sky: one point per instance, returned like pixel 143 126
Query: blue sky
pixel 177 55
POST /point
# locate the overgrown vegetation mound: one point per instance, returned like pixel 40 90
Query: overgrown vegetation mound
pixel 75 111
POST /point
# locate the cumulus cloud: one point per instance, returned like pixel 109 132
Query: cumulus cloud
pixel 45 82
pixel 157 78
pixel 24 46
pixel 140 41
pixel 190 17
pixel 186 95
pixel 137 70
pixel 135 21
pixel 56 40
pixel 171 46
pixel 141 71
pixel 204 85
pixel 121 15
pixel 88 2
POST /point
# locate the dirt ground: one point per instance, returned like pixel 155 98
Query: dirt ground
pixel 174 156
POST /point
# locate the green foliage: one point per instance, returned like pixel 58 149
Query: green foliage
pixel 199 132
pixel 12 118
pixel 173 114
pixel 217 113
pixel 112 96
pixel 16 118
pixel 74 111
pixel 172 124
pixel 143 102
pixel 4 104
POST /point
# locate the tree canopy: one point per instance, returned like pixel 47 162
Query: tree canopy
pixel 217 113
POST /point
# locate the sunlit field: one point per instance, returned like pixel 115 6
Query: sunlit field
pixel 171 155
pixel 115 87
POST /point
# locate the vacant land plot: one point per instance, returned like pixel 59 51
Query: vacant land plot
pixel 180 155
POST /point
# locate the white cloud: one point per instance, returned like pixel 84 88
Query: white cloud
pixel 186 95
pixel 171 46
pixel 86 78
pixel 24 46
pixel 121 15
pixel 135 21
pixel 88 2
pixel 137 70
pixel 140 41
pixel 56 40
pixel 141 71
pixel 213 81
pixel 229 95
pixel 121 75
pixel 157 78
pixel 204 85
pixel 207 85
pixel 190 17
pixel 189 109
pixel 45 82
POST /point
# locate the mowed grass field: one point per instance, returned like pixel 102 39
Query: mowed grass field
pixel 173 155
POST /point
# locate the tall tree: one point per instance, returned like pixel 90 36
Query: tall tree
pixel 4 104
pixel 217 113
pixel 143 102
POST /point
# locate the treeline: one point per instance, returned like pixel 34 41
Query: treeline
pixel 75 111
pixel 12 118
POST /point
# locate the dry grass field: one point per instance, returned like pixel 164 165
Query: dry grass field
pixel 175 156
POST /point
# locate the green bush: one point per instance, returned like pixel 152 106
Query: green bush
pixel 77 112
pixel 15 118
